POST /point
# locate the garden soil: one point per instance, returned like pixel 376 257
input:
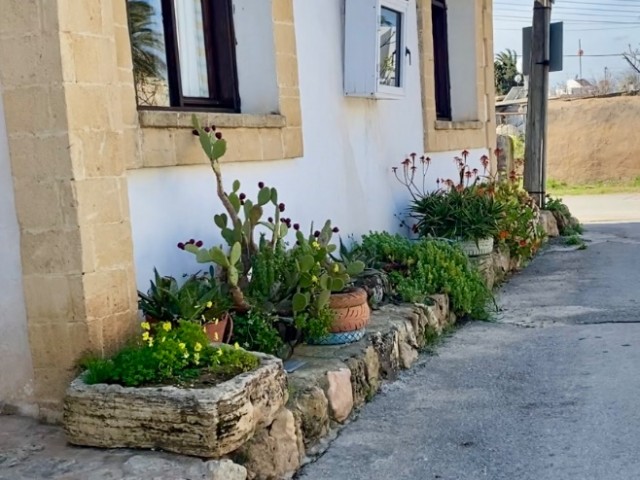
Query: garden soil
pixel 594 139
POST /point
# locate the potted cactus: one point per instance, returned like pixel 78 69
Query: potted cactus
pixel 308 289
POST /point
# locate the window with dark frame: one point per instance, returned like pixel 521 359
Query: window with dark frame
pixel 184 54
pixel 441 59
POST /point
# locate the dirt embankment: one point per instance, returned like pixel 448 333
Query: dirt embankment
pixel 594 139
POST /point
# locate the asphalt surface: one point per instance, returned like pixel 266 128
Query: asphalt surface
pixel 551 391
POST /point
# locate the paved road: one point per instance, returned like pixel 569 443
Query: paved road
pixel 549 392
pixel 617 207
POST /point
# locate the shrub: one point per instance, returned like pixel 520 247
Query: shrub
pixel 167 355
pixel 255 331
pixel 419 269
pixel 519 229
pixel 457 214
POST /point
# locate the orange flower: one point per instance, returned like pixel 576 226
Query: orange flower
pixel 504 235
pixel 523 243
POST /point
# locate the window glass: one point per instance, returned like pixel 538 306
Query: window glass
pixel 191 48
pixel 389 32
pixel 148 52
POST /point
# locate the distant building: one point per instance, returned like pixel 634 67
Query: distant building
pixel 580 87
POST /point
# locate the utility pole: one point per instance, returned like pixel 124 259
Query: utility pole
pixel 580 53
pixel 536 137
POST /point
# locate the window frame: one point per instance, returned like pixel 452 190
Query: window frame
pixel 442 77
pixel 222 72
pixel 394 91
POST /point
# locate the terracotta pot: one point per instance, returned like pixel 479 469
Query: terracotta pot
pixel 222 331
pixel 351 309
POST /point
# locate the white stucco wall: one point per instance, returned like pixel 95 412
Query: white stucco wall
pixel 350 145
pixel 16 371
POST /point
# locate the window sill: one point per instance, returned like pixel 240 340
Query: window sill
pixel 458 125
pixel 181 119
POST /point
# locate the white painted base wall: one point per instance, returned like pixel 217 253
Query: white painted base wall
pixel 350 146
pixel 16 371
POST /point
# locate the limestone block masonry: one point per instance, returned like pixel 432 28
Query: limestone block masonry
pixel 207 422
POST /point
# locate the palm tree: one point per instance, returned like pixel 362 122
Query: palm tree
pixel 506 68
pixel 147 44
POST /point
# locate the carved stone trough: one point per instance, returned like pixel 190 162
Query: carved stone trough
pixel 205 422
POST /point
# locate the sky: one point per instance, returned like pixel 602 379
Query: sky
pixel 606 28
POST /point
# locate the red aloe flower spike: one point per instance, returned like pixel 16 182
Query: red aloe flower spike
pixel 465 154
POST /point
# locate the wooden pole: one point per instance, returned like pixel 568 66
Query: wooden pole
pixel 536 136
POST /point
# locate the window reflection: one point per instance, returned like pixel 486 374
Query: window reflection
pixel 389 34
pixel 148 52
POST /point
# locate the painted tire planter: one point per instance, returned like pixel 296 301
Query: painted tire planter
pixel 484 246
pixel 352 314
pixel 204 422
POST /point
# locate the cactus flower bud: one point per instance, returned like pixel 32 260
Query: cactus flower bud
pixel 270 219
pixel 316 233
pixel 213 128
pixel 181 246
pixel 199 243
pixel 192 241
pixel 219 135
pixel 336 230
pixel 260 184
pixel 296 226
pixel 195 132
pixel 242 196
pixel 281 207
pixel 207 129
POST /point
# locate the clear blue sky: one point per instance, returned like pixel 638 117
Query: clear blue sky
pixel 606 27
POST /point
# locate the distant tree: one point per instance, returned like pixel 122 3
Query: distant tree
pixel 633 59
pixel 506 69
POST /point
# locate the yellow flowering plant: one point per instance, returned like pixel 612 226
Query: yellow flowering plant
pixel 168 354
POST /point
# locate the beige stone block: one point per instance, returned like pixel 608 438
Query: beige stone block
pixel 120 17
pixel 123 47
pixel 124 198
pixel 93 58
pixel 245 145
pixel 285 38
pixel 107 293
pixel 293 144
pixel 129 107
pixel 82 16
pixel 282 11
pixel 113 246
pixel 30 60
pixel 157 147
pixel 131 147
pixel 31 109
pixel 107 16
pixel 20 18
pixel 287 67
pixel 51 252
pixel 290 108
pixel 272 145
pixel 50 297
pixel 289 91
pixel 98 152
pixel 38 204
pixel 188 150
pixel 89 106
pixel 40 158
pixel 99 200
pixel 117 329
pixel 50 385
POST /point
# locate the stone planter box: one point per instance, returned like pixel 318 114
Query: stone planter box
pixel 207 422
